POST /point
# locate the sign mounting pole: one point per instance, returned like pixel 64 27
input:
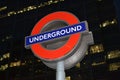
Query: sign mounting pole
pixel 60 72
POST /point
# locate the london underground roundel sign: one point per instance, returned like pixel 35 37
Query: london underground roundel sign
pixel 59 36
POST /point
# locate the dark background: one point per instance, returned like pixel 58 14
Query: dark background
pixel 17 18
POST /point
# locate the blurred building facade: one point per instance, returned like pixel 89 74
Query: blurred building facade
pixel 17 18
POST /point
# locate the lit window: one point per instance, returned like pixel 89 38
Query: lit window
pixel 99 63
pixel 114 21
pixel 78 65
pixel 49 2
pixel 96 48
pixel 114 66
pixel 11 13
pixel 4 56
pixel 1 59
pixel 56 1
pixel 13 64
pixel 7 55
pixel 3 8
pixel 68 78
pixel 114 54
pixel 20 11
pixel 108 22
pixel 29 8
pixel 18 63
pixel 6 66
pixel 3 67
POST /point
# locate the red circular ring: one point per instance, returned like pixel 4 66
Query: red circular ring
pixel 67 47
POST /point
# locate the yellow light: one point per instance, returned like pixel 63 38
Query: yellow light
pixel 33 7
pixel 20 11
pixel 11 64
pixel 99 63
pixel 1 59
pixel 39 6
pixel 4 67
pixel 3 8
pixel 96 48
pixel 114 54
pixel 7 55
pixel 11 13
pixel 68 78
pixel 50 2
pixel 108 22
pixel 56 1
pixel 112 22
pixel 4 56
pixel 18 63
pixel 78 65
pixel 104 24
pixel 14 64
pixel 114 66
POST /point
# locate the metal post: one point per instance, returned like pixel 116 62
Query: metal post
pixel 60 72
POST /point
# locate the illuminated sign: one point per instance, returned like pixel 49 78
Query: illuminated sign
pixel 54 28
pixel 55 33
